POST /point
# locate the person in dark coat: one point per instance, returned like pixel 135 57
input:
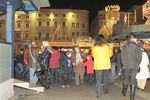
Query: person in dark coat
pixel 20 61
pixel 67 66
pixel 131 56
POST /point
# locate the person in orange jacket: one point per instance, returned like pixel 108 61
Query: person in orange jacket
pixel 90 69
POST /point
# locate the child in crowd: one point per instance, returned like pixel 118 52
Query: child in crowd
pixel 90 69
pixel 67 66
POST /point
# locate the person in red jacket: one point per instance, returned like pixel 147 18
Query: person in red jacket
pixel 90 69
pixel 54 64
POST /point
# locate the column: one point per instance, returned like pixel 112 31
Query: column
pixel 10 33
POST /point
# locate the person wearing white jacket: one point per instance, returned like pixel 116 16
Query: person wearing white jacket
pixel 144 73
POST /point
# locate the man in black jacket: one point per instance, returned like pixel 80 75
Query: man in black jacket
pixel 131 56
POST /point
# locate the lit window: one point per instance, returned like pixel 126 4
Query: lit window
pixel 27 17
pixel 19 17
pixel 39 35
pixel 73 16
pixel 47 15
pixel 18 25
pixel 63 15
pixel 83 25
pixel 55 24
pixel 27 25
pixel 63 24
pixel 78 33
pixel 77 25
pixel 47 24
pixel 40 23
pixel 47 35
pixel 73 25
pixel 55 15
pixel 40 15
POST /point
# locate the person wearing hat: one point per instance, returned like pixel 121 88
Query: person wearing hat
pixel 67 69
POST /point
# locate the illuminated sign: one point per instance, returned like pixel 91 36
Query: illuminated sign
pixel 112 8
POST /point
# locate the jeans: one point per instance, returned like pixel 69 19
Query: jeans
pixel 20 68
pixel 54 74
pixel 25 73
pixel 113 72
pixel 130 74
pixel 33 77
pixel 101 78
pixel 89 78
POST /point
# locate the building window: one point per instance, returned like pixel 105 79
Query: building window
pixel 27 25
pixel 77 25
pixel 27 17
pixel 39 35
pixel 40 23
pixel 73 25
pixel 47 15
pixel 73 16
pixel 18 35
pixel 0 24
pixel 47 35
pixel 77 16
pixel 63 24
pixel 40 15
pixel 19 17
pixel 47 24
pixel 73 34
pixel 27 35
pixel 18 25
pixel 55 15
pixel 63 15
pixel 55 24
pixel 78 33
pixel 83 25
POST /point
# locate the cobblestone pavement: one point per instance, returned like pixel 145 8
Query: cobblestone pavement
pixel 84 92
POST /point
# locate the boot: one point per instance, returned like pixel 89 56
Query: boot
pixel 132 92
pixel 124 90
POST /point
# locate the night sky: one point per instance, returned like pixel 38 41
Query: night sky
pixel 93 5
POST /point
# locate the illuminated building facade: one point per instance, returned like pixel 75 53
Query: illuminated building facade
pixel 53 25
pixel 111 20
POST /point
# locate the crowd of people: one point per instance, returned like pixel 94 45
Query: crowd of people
pixel 102 63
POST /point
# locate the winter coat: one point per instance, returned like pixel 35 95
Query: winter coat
pixel 118 63
pixel 131 56
pixel 65 63
pixel 89 64
pixel 20 58
pixel 102 55
pixel 144 71
pixel 33 57
pixel 61 59
pixel 54 59
pixel 45 57
pixel 78 68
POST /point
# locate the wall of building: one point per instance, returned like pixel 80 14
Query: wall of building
pixel 42 26
pixel 6 83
